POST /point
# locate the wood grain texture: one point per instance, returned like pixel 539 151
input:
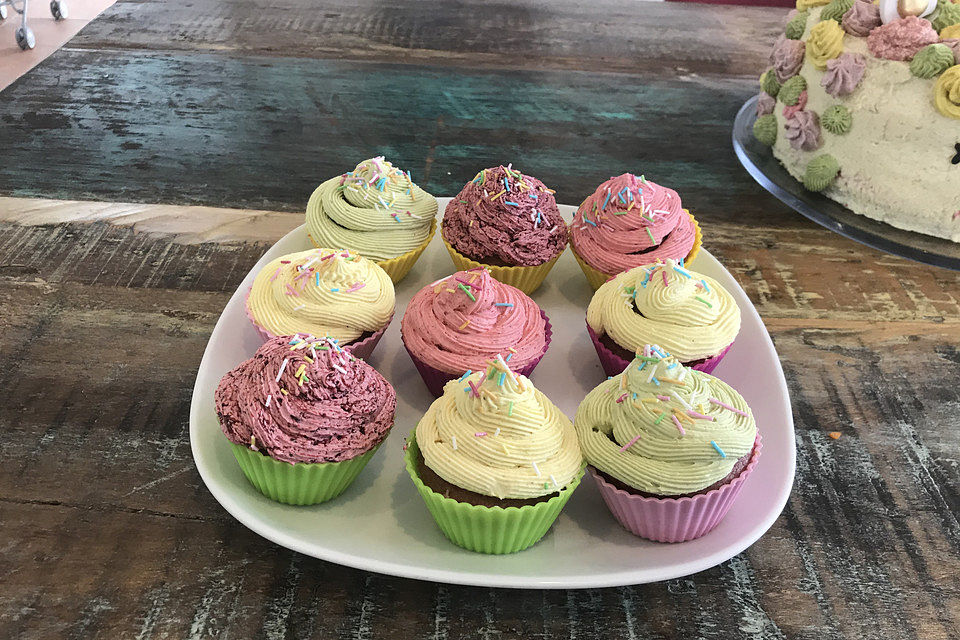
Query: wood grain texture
pixel 117 537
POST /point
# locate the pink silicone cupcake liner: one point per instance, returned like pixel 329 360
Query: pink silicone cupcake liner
pixel 360 349
pixel 613 364
pixel 674 519
pixel 436 379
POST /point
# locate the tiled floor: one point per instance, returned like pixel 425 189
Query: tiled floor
pixel 50 34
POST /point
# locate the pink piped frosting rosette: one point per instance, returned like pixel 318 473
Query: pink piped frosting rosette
pixel 630 221
pixel 462 321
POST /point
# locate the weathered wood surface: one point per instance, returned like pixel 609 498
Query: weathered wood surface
pixel 105 527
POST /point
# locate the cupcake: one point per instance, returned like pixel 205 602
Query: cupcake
pixel 323 292
pixel 458 323
pixel 669 447
pixel 304 417
pixel 494 460
pixel 377 211
pixel 628 222
pixel 508 222
pixel 686 312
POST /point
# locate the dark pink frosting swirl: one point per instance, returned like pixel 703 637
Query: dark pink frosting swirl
pixel 765 103
pixel 626 223
pixel 342 409
pixel 902 38
pixel 787 57
pixel 522 227
pixel 803 130
pixel 862 18
pixel 843 74
pixel 449 331
pixel 789 110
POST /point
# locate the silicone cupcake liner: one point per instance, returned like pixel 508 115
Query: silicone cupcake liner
pixel 360 349
pixel 597 278
pixel 527 279
pixel 674 519
pixel 435 379
pixel 398 268
pixel 301 483
pixel 614 364
pixel 488 529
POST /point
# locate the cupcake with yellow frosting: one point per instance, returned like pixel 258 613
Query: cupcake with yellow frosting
pixel 494 460
pixel 325 293
pixel 669 447
pixel 377 211
pixel 691 315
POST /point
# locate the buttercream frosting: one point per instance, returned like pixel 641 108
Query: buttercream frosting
pixel 324 292
pixel 494 434
pixel 664 429
pixel 843 74
pixel 305 400
pixel 463 320
pixel 375 210
pixel 901 39
pixel 802 130
pixel 787 58
pixel 689 314
pixel 630 221
pixel 862 18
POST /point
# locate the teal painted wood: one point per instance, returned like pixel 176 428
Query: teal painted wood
pixel 263 132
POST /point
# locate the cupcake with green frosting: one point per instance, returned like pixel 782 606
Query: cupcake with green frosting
pixel 669 447
pixel 377 211
pixel 494 460
pixel 688 313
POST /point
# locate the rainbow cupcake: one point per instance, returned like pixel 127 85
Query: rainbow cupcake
pixel 691 315
pixel 323 292
pixel 630 221
pixel 376 211
pixel 507 222
pixel 669 447
pixel 458 323
pixel 304 417
pixel 494 461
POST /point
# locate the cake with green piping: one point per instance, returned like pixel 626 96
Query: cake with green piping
pixel 494 460
pixel 377 211
pixel 304 417
pixel 862 103
pixel 669 447
pixel 687 312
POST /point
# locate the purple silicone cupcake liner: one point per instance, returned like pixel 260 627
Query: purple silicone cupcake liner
pixel 436 379
pixel 360 349
pixel 613 364
pixel 674 519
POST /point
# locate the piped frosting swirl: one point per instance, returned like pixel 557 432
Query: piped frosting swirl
pixel 664 429
pixel 492 433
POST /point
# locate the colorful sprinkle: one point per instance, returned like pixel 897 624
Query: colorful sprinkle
pixel 678 425
pixel 467 291
pixel 536 469
pixel 704 283
pixel 480 434
pixel 282 367
pixel 652 239
pixel 503 304
pixel 700 416
pixel 464 376
pixel 631 443
pixel 703 301
pixel 660 418
pixel 727 407
pixel 719 450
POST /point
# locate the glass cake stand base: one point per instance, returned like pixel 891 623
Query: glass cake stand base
pixel 758 160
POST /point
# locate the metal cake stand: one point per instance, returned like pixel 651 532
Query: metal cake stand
pixel 758 160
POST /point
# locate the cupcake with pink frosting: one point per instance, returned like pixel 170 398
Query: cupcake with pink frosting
pixel 630 221
pixel 304 417
pixel 508 222
pixel 457 324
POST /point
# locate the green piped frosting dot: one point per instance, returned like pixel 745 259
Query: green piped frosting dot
pixel 791 90
pixel 769 83
pixel 931 61
pixel 821 172
pixel 947 14
pixel 797 26
pixel 836 9
pixel 765 129
pixel 836 119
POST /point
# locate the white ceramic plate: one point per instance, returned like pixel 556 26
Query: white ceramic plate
pixel 380 523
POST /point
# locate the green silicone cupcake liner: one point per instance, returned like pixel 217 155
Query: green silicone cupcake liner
pixel 488 529
pixel 301 483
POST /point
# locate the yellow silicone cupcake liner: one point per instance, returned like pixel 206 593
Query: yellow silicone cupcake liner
pixel 597 278
pixel 398 268
pixel 527 279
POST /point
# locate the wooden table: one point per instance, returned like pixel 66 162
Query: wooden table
pixel 105 527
